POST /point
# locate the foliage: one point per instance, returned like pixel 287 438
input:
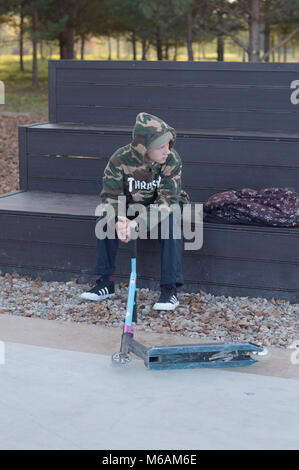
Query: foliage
pixel 162 24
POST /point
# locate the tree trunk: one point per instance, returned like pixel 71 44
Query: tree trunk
pixel 41 50
pixel 144 48
pixel 273 51
pixel 166 51
pixel 34 48
pixel 82 46
pixel 189 36
pixel 109 47
pixel 254 32
pixel 159 44
pixel 267 43
pixel 175 54
pixel 21 39
pixel 117 47
pixel 63 45
pixel 66 44
pixel 220 41
pixel 279 49
pixel 220 48
pixel 66 38
pixel 133 39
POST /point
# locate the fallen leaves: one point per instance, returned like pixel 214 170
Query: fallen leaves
pixel 9 159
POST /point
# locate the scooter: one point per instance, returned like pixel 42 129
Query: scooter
pixel 184 356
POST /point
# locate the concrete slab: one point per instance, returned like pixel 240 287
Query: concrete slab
pixel 61 399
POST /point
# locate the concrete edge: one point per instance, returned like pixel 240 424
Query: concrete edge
pixel 105 340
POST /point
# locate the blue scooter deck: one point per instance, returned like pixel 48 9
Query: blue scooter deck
pixel 206 355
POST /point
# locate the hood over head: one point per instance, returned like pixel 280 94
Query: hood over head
pixel 149 133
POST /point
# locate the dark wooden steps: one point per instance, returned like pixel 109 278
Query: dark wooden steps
pixel 236 127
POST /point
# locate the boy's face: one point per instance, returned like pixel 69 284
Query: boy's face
pixel 160 154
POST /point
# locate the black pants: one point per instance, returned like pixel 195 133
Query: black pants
pixel 170 256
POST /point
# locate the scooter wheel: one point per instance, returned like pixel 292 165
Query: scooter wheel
pixel 120 359
pixel 260 355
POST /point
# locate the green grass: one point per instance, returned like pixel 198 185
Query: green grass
pixel 20 94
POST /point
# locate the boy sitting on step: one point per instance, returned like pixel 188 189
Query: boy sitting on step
pixel 148 172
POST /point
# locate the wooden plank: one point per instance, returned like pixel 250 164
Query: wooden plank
pixel 239 152
pixel 178 118
pixel 59 257
pixel 210 148
pixel 176 76
pixel 66 167
pixel 247 149
pixel 43 202
pixel 235 272
pixel 64 186
pixel 11 193
pixel 52 88
pixel 80 175
pixel 200 194
pixel 23 164
pixel 256 243
pixel 174 65
pixel 243 243
pixel 179 97
pixel 121 130
pixel 239 176
pixel 40 228
pixel 75 142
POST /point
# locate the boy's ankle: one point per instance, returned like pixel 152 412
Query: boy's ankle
pixel 171 284
pixel 108 277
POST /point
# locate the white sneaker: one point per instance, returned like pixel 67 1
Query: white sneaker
pixel 168 299
pixel 102 290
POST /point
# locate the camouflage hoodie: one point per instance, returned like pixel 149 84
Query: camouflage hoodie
pixel 129 173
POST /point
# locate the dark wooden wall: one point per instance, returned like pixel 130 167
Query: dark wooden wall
pixel 198 95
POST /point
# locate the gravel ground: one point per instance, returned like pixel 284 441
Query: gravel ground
pixel 269 322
